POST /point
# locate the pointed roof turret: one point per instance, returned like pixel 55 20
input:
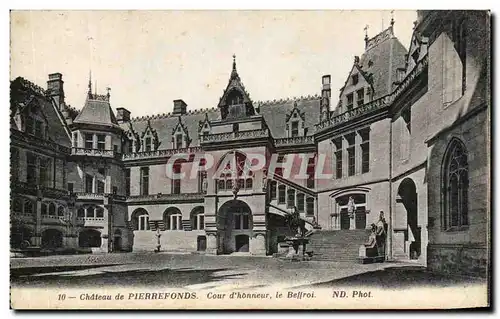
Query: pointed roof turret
pixel 235 101
pixel 96 110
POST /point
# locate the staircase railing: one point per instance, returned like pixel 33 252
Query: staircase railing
pixel 296 186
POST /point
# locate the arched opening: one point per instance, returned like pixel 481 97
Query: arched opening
pixel 350 211
pixel 117 240
pixel 52 238
pixel 201 243
pixel 172 219
pixel 20 237
pixel 407 196
pixel 455 187
pixel 234 218
pixel 242 243
pixel 233 172
pixel 198 218
pixel 89 238
pixel 140 219
pixel 52 209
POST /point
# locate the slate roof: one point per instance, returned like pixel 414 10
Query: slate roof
pixel 380 61
pixel 274 113
pixel 97 110
pixel 383 71
pixel 26 94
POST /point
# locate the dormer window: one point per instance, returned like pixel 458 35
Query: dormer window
pixel 235 98
pixel 29 125
pixel 148 144
pixel 350 101
pixel 360 97
pixel 295 128
pixel 355 79
pixel 178 141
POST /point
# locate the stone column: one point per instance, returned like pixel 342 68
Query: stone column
pixel 400 225
pixel 211 243
pixel 258 244
pixel 36 240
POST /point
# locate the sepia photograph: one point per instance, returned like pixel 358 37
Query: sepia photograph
pixel 250 159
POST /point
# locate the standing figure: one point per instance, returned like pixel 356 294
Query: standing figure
pixel 381 234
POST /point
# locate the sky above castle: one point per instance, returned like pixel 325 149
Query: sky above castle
pixel 150 58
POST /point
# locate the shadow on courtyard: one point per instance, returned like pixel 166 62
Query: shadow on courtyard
pixel 175 278
pixel 398 278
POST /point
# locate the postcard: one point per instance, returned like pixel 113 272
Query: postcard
pixel 250 159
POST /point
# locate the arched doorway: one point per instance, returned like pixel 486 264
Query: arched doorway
pixel 234 220
pixel 117 240
pixel 20 237
pixel 201 243
pixel 407 192
pixel 52 238
pixel 89 238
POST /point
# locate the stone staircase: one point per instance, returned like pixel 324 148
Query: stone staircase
pixel 337 245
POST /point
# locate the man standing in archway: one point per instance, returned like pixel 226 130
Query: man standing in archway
pixel 381 234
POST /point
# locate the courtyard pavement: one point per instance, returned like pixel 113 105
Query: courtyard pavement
pixel 198 271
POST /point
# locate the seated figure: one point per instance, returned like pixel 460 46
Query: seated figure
pixel 371 244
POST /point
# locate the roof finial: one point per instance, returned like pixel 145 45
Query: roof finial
pixel 234 62
pixel 108 94
pixel 392 18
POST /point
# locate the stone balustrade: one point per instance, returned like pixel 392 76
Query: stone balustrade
pixel 161 153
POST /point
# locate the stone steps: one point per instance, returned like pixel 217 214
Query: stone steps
pixel 337 245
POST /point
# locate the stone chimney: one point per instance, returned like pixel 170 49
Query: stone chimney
pixel 55 89
pixel 326 90
pixel 122 115
pixel 180 107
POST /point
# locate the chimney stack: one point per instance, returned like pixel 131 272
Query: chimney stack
pixel 55 89
pixel 326 90
pixel 180 107
pixel 122 115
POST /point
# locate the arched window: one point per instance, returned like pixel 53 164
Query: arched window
pixel 28 207
pixel 140 219
pixel 60 211
pixel 291 198
pixel 281 194
pixel 310 206
pixel 172 218
pixel 198 219
pixel 456 186
pixel 221 184
pixel 52 209
pixel 99 212
pixel 90 211
pixel 300 202
pixel 80 213
pixel 272 191
pixel 229 184
pixel 249 183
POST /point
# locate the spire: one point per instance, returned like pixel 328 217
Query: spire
pixel 90 83
pixel 234 73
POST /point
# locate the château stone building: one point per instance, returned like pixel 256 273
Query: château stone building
pixel 408 136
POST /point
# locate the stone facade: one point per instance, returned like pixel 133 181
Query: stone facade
pixel 87 180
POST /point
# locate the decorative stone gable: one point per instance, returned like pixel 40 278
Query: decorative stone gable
pixel 235 101
pixel 180 135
